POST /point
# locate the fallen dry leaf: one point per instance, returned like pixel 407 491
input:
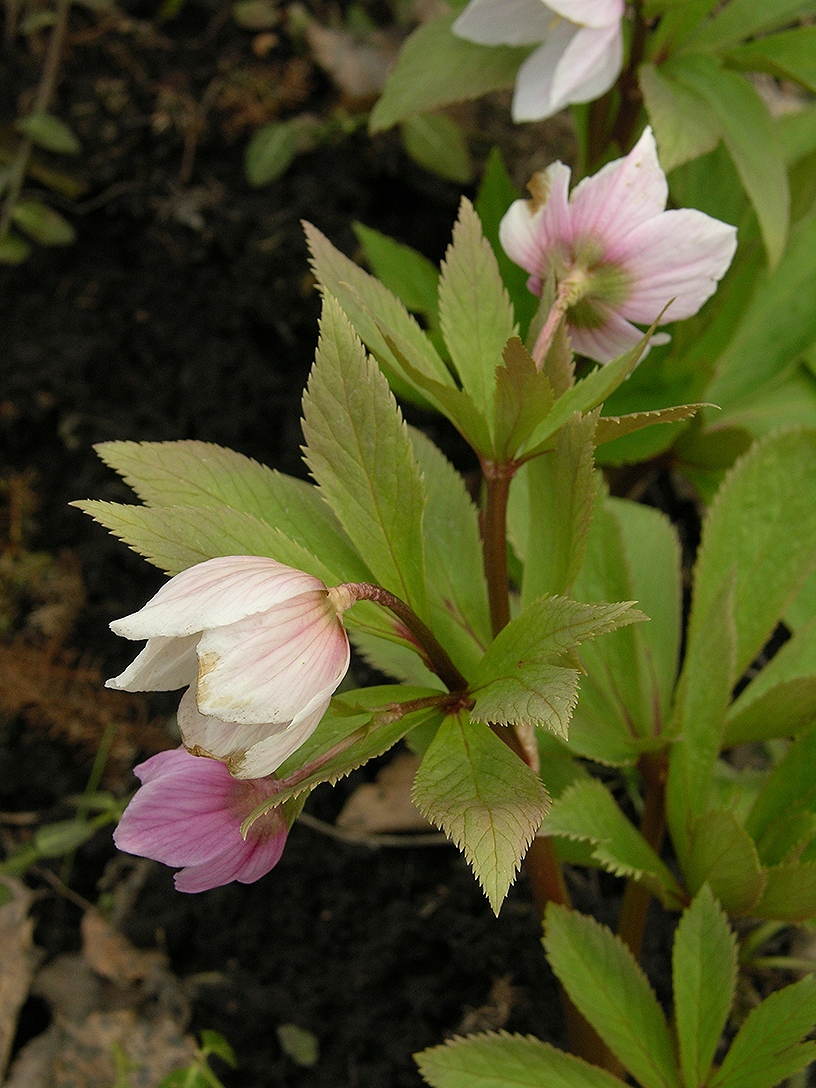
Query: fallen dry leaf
pixel 358 68
pixel 112 955
pixel 18 958
pixel 385 805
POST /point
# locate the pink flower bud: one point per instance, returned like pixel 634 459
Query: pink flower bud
pixel 614 251
pixel 260 646
pixel 188 812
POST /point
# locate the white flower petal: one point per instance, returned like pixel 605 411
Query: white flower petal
pixel 266 756
pixel 214 737
pixel 216 592
pixel 589 12
pixel 533 98
pixel 527 235
pixel 504 22
pixel 163 665
pixel 606 342
pixel 588 67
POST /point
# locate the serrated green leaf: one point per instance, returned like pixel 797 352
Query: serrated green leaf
pixel 743 19
pixel 587 811
pixel 507 1061
pixel 768 1046
pixel 789 894
pixel 770 554
pixel 684 125
pixel 777 327
pixel 42 223
pixel 474 308
pixel 611 428
pixel 537 693
pixel 457 586
pixel 403 270
pixel 704 975
pixel 523 398
pixel 13 250
pixel 48 132
pixel 609 989
pixel 270 152
pixel 722 853
pixel 561 495
pixel 435 68
pixel 483 796
pixel 359 451
pixel 789 790
pixel 751 139
pixel 788 55
pixel 436 143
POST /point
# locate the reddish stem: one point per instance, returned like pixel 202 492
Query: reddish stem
pixel 632 922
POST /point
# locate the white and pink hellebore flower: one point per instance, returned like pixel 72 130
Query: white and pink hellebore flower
pixel 188 812
pixel 260 647
pixel 579 58
pixel 616 254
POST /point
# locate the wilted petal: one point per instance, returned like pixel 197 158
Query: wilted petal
pixel 589 65
pixel 605 342
pixel 504 22
pixel 533 98
pixel 266 755
pixel 163 665
pixel 678 255
pixel 589 12
pixel 530 229
pixel 215 592
pixel 621 196
pixel 268 666
pixel 214 737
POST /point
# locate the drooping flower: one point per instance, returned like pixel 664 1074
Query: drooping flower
pixel 616 254
pixel 260 647
pixel 188 812
pixel 579 58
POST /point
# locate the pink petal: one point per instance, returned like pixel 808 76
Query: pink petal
pixel 605 342
pixel 266 756
pixel 246 862
pixel 268 666
pixel 589 12
pixel 589 66
pixel 218 591
pixel 163 665
pixel 533 98
pixel 504 22
pixel 528 235
pixel 621 196
pixel 215 737
pixel 678 255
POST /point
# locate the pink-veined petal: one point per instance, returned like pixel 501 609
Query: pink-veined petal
pixel 606 342
pixel 621 196
pixel 533 98
pixel 527 236
pixel 589 66
pixel 267 667
pixel 216 592
pixel 266 756
pixel 246 862
pixel 678 255
pixel 589 12
pixel 163 665
pixel 504 22
pixel 217 738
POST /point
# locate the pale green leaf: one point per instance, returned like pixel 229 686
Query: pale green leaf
pixel 270 152
pixel 13 249
pixel 789 895
pixel 436 67
pixel 392 658
pixel 768 1046
pixel 359 451
pixel 437 143
pixel 743 19
pixel 213 1042
pixel 722 853
pixel 777 710
pixel 789 55
pixel 403 270
pixel 42 223
pixel 684 125
pixel 611 428
pixel 789 790
pixel 704 974
pixel 48 132
pixel 536 693
pixel 483 796
pixel 524 397
pixel 588 812
pixel 609 989
pixel 474 309
pixel 507 1061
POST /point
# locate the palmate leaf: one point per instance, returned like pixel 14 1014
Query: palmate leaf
pixel 704 974
pixel 483 796
pixel 507 1061
pixel 768 1046
pixel 609 989
pixel 587 811
pixel 359 451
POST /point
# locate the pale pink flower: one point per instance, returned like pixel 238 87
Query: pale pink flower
pixel 579 58
pixel 188 812
pixel 261 646
pixel 616 254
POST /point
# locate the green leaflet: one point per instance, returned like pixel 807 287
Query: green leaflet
pixel 438 144
pixel 684 126
pixel 359 452
pixel 723 854
pixel 788 55
pixel 523 398
pixel 404 271
pixel 743 19
pixel 486 800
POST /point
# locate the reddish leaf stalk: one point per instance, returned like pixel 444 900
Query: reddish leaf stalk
pixel 632 922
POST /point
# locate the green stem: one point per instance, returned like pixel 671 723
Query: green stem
pixel 632 923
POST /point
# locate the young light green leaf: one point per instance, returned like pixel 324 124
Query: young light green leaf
pixel 772 711
pixel 751 139
pixel 403 270
pixel 507 1061
pixel 474 308
pixel 789 790
pixel 435 67
pixel 742 19
pixel 789 894
pixel 213 1042
pixel 768 1046
pixel 684 125
pixel 524 397
pixel 704 975
pixel 270 152
pixel 42 223
pixel 48 132
pixel 358 450
pixel 722 853
pixel 770 555
pixel 483 796
pixel 13 249
pixel 609 989
pixel 435 142
pixel 536 693
pixel 588 812
pixel 788 55
pixel 612 427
